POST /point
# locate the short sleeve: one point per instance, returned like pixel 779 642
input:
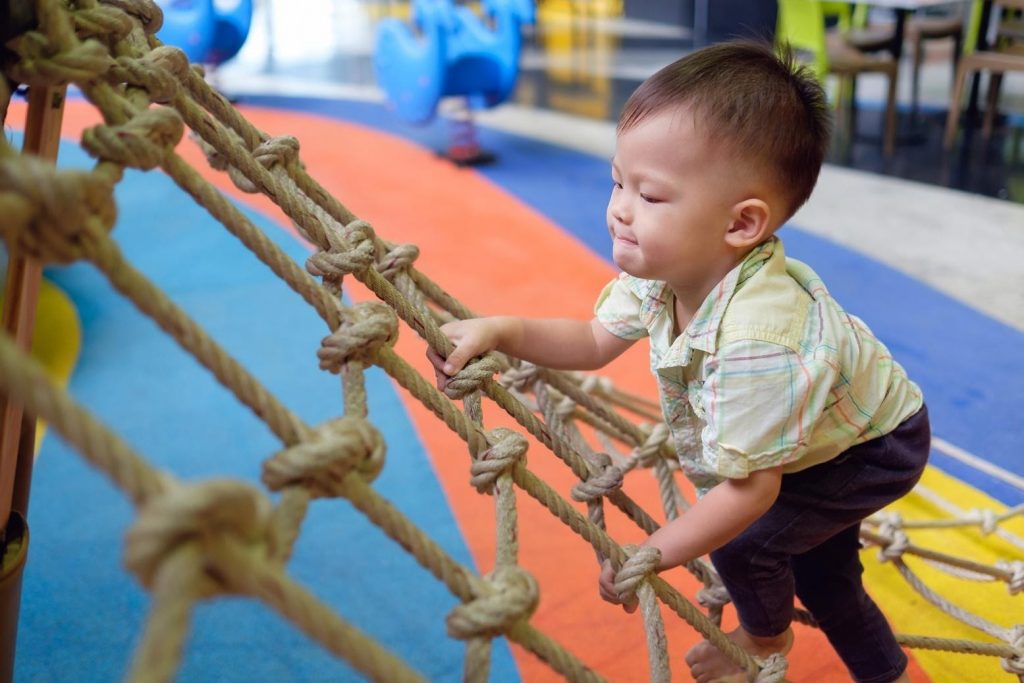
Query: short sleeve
pixel 618 309
pixel 761 402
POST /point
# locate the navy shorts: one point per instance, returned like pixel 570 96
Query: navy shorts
pixel 807 545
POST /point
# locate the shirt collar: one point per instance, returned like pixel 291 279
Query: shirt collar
pixel 702 332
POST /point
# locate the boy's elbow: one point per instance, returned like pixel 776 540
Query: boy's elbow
pixel 607 347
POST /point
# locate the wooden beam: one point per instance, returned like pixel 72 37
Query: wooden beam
pixel 42 138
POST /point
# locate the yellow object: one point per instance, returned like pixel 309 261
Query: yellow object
pixel 57 338
pixel 910 613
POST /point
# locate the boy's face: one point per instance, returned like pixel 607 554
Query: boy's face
pixel 671 203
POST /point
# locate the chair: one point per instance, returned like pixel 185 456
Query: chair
pixel 1007 55
pixel 960 25
pixel 802 25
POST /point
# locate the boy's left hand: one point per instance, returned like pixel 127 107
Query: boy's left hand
pixel 606 584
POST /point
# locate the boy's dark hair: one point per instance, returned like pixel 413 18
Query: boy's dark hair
pixel 763 105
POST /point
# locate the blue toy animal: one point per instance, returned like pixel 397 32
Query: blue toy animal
pixel 208 31
pixel 453 52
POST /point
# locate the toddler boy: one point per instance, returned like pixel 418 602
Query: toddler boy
pixel 789 416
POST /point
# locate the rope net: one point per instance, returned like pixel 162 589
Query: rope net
pixel 193 541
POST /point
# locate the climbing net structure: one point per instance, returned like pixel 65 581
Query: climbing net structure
pixel 193 541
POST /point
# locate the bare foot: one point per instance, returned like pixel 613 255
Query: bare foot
pixel 709 665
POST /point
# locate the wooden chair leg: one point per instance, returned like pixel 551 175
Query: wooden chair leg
pixel 915 75
pixel 995 83
pixel 842 110
pixel 958 48
pixel 953 118
pixel 889 146
pixel 852 104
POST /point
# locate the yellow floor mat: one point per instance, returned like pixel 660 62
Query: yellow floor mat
pixel 910 613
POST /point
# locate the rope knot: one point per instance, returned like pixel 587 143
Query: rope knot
pixel 209 514
pixel 1016 569
pixel 157 72
pixel 147 12
pixel 565 407
pixel 648 453
pixel 281 150
pixel 508 447
pixel 142 142
pixel 170 59
pixel 986 520
pixel 642 562
pixel 896 544
pixel 471 377
pixel 888 520
pixel 105 23
pixel 352 253
pixel 399 258
pixel 321 464
pixel 55 216
pixel 364 329
pixel 44 63
pixel 773 668
pixel 608 479
pixel 513 598
pixel 270 153
pixel 1015 664
pixel 520 378
pixel 597 385
pixel 715 596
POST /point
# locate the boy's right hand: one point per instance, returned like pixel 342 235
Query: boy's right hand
pixel 471 338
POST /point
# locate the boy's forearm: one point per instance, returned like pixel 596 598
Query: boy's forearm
pixel 717 518
pixel 561 344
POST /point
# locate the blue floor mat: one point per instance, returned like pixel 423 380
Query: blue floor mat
pixel 81 613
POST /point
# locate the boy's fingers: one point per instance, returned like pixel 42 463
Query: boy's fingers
pixel 440 379
pixel 455 361
pixel 630 607
pixel 435 358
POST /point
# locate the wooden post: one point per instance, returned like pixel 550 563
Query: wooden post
pixel 17 430
pixel 42 138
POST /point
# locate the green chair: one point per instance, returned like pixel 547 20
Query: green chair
pixel 801 23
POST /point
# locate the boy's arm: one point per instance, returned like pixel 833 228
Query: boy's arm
pixel 715 519
pixel 561 344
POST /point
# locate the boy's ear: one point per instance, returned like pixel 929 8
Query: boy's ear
pixel 751 223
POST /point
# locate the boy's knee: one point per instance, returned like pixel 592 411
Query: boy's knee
pixel 834 603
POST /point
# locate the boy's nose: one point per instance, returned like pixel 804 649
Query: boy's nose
pixel 620 209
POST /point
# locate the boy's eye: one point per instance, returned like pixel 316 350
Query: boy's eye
pixel 616 184
pixel 649 199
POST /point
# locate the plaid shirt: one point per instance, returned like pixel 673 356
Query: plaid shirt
pixel 770 371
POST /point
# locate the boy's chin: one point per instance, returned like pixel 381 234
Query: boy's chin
pixel 627 265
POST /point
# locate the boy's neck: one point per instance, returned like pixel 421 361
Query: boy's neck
pixel 689 299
